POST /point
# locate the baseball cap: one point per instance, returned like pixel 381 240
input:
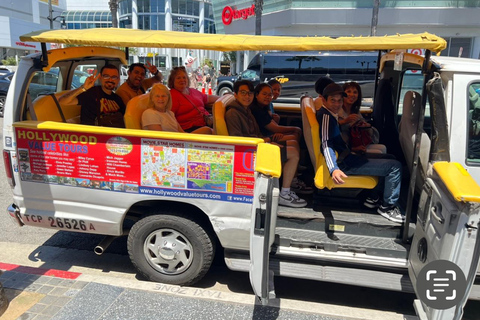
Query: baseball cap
pixel 333 89
pixel 321 83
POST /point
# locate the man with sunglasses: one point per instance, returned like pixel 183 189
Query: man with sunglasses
pixel 136 83
pixel 100 105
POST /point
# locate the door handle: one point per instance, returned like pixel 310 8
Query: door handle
pixel 436 215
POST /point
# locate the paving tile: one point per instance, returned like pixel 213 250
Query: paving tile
pixel 27 316
pixel 61 301
pixel 18 276
pixel 45 289
pixel 32 277
pixel 33 287
pixel 67 283
pixel 54 281
pixel 43 279
pixel 19 285
pixel 98 298
pixel 6 275
pixel 50 310
pixel 37 308
pixel 48 299
pixel 79 284
pixel 58 291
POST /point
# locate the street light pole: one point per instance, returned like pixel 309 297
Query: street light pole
pixel 50 13
pixel 258 17
pixel 373 30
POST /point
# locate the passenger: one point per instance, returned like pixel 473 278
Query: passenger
pixel 269 128
pixel 159 115
pixel 349 116
pixel 261 111
pixel 241 122
pixel 188 104
pixel 320 85
pixel 136 84
pixel 349 163
pixel 99 104
pixel 276 90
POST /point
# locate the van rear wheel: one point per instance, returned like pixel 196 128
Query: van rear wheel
pixel 170 249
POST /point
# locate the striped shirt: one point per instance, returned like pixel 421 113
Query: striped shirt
pixel 330 138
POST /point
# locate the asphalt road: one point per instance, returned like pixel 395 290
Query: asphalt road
pixel 77 248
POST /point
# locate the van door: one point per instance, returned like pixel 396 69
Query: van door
pixel 262 234
pixel 444 253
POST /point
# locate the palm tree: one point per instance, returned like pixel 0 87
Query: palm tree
pixel 113 4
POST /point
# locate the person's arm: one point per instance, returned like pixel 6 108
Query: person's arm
pixel 212 98
pixel 327 144
pixel 274 127
pixel 155 127
pixel 70 97
pixel 157 76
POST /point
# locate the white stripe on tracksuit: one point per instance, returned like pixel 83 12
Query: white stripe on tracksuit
pixel 328 152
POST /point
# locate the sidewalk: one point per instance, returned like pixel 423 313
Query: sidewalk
pixel 41 294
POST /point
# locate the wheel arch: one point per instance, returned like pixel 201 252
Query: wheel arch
pixel 224 84
pixel 146 208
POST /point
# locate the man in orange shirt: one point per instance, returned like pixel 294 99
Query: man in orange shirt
pixel 136 83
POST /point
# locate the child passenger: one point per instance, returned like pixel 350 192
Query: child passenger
pixel 241 122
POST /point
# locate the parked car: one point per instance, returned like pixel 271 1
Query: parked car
pixel 44 83
pixel 5 79
pixel 298 71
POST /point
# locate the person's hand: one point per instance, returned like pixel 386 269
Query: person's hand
pixel 338 176
pixel 352 118
pixel 151 67
pixel 90 81
pixel 276 137
pixel 276 118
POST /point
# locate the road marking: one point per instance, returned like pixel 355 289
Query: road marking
pixel 40 271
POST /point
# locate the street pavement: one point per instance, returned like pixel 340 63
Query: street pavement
pixel 41 294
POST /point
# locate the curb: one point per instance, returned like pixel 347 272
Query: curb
pixel 40 271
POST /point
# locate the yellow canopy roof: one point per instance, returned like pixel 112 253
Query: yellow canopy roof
pixel 232 42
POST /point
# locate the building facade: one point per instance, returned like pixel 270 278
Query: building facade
pixel 20 18
pixel 455 21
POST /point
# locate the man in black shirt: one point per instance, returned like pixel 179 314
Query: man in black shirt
pixel 100 105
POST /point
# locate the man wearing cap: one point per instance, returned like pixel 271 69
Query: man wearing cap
pixel 349 163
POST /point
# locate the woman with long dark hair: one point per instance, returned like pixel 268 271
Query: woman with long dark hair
pixel 349 116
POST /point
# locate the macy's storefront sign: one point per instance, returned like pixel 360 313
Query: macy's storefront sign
pixel 229 14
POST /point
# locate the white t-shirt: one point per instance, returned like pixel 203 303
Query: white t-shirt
pixel 165 119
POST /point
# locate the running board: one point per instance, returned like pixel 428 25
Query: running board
pixel 345 275
pixel 383 280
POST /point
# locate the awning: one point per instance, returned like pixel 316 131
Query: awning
pixel 117 37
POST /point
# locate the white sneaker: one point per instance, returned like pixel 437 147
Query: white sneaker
pixel 291 200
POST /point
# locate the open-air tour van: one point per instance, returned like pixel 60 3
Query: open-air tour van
pixel 181 198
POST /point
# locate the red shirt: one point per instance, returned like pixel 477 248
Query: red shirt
pixel 187 115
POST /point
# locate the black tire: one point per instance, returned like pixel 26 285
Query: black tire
pixel 224 90
pixel 162 264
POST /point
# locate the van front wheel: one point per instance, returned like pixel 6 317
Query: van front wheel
pixel 170 249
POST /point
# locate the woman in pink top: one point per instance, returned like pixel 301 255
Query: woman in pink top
pixel 188 104
pixel 159 116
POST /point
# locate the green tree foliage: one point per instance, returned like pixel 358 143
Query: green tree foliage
pixel 10 61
